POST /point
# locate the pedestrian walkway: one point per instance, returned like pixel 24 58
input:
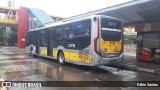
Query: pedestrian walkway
pixel 131 63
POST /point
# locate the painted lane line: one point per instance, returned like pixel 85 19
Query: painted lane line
pixel 129 54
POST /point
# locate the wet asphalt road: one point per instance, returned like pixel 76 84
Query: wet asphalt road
pixel 16 65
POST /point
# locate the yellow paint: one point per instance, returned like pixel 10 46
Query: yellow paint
pixel 84 58
pixel 66 54
pixel 10 18
pixel 88 61
pixel 80 57
pixel 46 52
pixel 7 8
pixel 55 53
pixel 111 46
pixel 73 56
pixel 43 51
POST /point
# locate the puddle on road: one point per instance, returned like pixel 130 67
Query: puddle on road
pixel 22 67
pixel 124 74
pixel 35 70
pixel 16 54
pixel 114 70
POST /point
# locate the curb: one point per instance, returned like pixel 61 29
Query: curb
pixel 136 68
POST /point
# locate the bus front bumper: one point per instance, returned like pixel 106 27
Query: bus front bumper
pixel 111 60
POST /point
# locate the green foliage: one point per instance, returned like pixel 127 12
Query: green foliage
pixel 7 36
pixel 2 29
pixel 1 43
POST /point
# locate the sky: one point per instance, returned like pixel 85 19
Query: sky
pixel 65 8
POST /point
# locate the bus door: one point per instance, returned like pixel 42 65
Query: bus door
pixel 37 42
pixel 49 43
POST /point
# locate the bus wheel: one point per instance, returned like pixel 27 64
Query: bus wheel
pixel 61 58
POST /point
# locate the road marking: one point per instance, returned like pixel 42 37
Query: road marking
pixel 129 54
pixel 146 70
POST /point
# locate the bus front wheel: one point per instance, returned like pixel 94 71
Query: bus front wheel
pixel 61 58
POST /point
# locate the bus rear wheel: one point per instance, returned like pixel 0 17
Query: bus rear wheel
pixel 61 58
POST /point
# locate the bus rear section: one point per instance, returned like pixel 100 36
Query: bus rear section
pixel 108 42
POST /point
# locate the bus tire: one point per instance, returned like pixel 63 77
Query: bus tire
pixel 61 58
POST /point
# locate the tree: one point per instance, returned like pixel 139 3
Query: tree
pixel 2 29
pixel 7 36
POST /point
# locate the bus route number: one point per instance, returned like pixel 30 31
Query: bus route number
pixel 71 45
pixel 111 23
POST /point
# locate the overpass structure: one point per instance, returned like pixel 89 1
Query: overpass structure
pixel 25 19
pixel 8 16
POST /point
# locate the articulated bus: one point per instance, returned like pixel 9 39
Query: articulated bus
pixel 90 41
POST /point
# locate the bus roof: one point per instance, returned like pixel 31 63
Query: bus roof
pixel 64 21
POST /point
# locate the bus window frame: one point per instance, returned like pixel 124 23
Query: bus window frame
pixel 43 43
pixel 111 38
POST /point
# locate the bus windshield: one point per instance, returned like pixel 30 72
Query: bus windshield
pixel 110 29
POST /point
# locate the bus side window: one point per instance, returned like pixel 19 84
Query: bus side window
pixel 43 40
pixel 71 34
pixel 32 38
pixel 80 28
pixel 66 31
pixel 51 33
pixel 71 31
pixel 59 34
pixel 88 27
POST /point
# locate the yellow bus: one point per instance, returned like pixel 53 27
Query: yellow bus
pixel 90 41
